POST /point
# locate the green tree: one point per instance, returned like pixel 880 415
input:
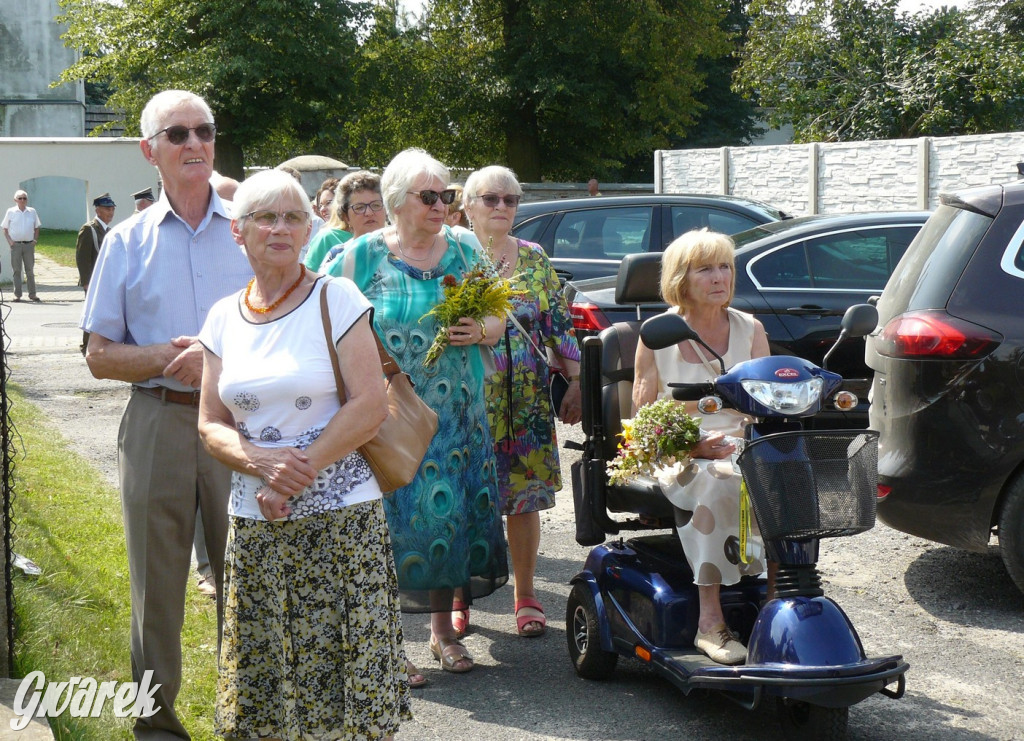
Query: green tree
pixel 566 89
pixel 841 70
pixel 727 117
pixel 270 69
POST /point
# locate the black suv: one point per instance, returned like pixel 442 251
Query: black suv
pixel 588 237
pixel 948 390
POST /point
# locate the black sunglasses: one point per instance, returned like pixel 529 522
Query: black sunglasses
pixel 491 200
pixel 179 134
pixel 429 197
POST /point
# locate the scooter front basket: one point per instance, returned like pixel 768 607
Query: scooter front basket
pixel 812 483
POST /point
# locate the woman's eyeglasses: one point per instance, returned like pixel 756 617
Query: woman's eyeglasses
pixel 179 134
pixel 375 206
pixel 429 197
pixel 269 219
pixel 491 200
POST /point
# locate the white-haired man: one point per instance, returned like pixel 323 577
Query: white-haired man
pixel 156 278
pixel 21 228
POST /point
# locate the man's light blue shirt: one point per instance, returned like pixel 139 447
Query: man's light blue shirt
pixel 156 278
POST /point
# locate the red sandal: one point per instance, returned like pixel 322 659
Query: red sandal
pixel 460 617
pixel 528 610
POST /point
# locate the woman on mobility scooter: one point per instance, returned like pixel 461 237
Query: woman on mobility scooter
pixel 697 282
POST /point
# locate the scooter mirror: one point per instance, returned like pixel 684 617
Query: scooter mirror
pixel 666 330
pixel 860 320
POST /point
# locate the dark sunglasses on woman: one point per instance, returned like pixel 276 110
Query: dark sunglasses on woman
pixel 429 197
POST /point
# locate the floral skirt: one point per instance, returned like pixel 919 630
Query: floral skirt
pixel 312 643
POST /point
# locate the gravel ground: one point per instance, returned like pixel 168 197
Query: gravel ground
pixel 955 616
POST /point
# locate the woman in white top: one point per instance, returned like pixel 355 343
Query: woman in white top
pixel 312 639
pixel 697 281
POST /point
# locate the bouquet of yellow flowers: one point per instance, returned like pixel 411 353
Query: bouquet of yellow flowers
pixel 661 434
pixel 481 292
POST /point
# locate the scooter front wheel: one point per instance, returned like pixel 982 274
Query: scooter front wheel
pixel 801 720
pixel 589 659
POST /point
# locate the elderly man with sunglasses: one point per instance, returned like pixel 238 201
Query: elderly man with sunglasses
pixel 156 278
pixel 21 228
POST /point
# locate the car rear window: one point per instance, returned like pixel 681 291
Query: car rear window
pixel 933 264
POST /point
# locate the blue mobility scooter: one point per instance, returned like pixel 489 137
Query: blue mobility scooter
pixel 637 598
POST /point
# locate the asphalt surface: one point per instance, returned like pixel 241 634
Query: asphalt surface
pixel 955 616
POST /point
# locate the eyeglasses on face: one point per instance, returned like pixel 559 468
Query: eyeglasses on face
pixel 375 206
pixel 429 197
pixel 21 198
pixel 179 134
pixel 491 200
pixel 269 219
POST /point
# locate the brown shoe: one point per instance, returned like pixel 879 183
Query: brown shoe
pixel 721 646
pixel 207 586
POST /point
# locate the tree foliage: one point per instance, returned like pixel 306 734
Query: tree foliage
pixel 268 68
pixel 564 89
pixel 841 70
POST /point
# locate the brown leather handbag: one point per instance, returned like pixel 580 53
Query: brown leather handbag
pixel 397 450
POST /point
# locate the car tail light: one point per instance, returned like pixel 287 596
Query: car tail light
pixel 586 316
pixel 935 334
pixel 883 491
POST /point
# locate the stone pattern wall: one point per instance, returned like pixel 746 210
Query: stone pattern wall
pixel 895 175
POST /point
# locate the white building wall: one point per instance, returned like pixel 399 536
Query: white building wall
pixel 63 175
pixel 32 57
pixel 900 175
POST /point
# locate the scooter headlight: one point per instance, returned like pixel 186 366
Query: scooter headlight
pixel 787 398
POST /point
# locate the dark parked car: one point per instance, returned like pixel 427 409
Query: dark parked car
pixel 948 390
pixel 797 276
pixel 588 237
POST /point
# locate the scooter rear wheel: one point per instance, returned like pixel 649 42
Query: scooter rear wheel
pixel 801 720
pixel 582 631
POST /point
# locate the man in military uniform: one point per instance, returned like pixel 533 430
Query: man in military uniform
pixel 87 249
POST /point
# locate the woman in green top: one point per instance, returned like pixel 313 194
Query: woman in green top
pixel 357 209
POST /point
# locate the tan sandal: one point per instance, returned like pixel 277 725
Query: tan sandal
pixel 416 678
pixel 450 652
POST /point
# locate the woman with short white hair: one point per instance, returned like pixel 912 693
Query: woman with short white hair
pixel 519 406
pixel 445 525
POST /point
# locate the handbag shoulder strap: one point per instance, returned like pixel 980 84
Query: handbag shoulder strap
pixel 529 338
pixel 386 361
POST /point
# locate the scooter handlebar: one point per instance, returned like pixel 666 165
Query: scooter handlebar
pixel 691 391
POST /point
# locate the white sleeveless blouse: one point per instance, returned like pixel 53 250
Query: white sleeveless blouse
pixel 672 368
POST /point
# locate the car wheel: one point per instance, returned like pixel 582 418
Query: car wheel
pixel 582 632
pixel 1011 532
pixel 801 720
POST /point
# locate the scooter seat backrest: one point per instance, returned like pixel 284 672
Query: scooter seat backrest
pixel 618 353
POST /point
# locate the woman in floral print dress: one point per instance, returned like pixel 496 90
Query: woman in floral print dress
pixel 519 408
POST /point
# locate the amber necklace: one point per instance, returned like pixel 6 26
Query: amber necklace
pixel 286 294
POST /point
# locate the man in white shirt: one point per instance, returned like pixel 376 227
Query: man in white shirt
pixel 155 280
pixel 21 228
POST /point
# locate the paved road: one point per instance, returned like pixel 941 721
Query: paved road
pixel 954 615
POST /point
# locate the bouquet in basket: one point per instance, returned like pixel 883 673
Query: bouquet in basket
pixel 481 292
pixel 661 434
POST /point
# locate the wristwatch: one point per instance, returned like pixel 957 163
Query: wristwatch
pixel 483 329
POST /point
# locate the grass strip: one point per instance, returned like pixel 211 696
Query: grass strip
pixel 58 245
pixel 74 619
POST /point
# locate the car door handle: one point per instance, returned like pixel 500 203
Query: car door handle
pixel 809 311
